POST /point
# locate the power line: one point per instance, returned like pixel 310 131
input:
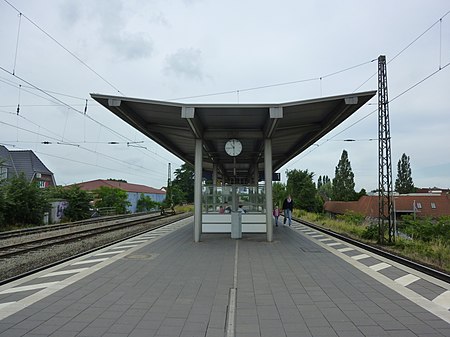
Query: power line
pixel 63 47
pixel 237 91
pixel 89 164
pixel 418 37
pixel 13 84
pixel 410 44
pixel 58 142
pixel 74 109
pixel 399 95
pixel 372 112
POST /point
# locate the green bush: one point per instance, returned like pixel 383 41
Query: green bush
pixel 78 202
pixel 428 242
pixel 145 204
pixel 352 218
pixel 371 233
pixel 112 197
pixel 426 229
pixel 24 203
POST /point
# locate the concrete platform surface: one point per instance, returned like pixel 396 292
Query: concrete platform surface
pixel 304 283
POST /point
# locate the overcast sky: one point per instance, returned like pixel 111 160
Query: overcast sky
pixel 172 50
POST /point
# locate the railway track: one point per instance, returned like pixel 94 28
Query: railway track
pixel 377 250
pixel 31 255
pixel 80 233
pixel 49 228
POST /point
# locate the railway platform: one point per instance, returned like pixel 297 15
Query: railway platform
pixel 161 283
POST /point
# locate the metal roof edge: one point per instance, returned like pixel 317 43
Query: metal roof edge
pixel 232 105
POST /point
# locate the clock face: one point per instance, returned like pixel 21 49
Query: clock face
pixel 233 147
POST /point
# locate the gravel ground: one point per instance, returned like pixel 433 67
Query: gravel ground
pixel 12 267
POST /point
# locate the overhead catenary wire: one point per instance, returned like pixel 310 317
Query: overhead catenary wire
pixel 412 42
pixel 89 164
pixel 400 94
pixel 59 142
pixel 371 113
pixel 238 91
pixel 286 83
pixel 71 107
pixel 63 47
pixel 76 110
pixel 14 84
pixel 17 43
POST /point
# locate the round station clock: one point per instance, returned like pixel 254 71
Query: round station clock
pixel 233 147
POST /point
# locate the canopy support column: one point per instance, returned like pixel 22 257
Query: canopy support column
pixel 198 189
pixel 214 184
pixel 268 180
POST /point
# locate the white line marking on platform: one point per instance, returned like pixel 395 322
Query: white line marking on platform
pixel 127 246
pixel 231 315
pixel 2 305
pixel 89 261
pixel 407 279
pixel 317 236
pixel 13 307
pixel 333 244
pixel 439 306
pixel 136 242
pixel 325 239
pixel 443 300
pixel 64 272
pixel 26 288
pixel 360 257
pixel 110 253
pixel 343 250
pixel 380 266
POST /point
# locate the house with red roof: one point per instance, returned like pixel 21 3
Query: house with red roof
pixel 134 191
pixel 434 205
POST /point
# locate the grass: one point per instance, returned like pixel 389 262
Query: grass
pixel 435 253
pixel 184 208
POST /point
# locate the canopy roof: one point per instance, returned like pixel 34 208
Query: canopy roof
pixel 292 127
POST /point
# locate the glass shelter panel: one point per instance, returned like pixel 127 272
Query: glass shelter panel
pixel 219 198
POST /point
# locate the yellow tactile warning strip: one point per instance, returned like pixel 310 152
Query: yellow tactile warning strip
pixel 433 294
pixel 26 291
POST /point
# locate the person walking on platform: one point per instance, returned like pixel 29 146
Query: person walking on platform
pixel 288 206
pixel 276 214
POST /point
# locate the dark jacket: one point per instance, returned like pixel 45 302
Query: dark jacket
pixel 288 205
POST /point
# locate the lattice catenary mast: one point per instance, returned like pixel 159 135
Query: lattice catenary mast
pixel 385 197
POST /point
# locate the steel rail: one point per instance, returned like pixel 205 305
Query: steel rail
pixel 49 228
pixel 37 244
pixel 55 263
pixel 399 259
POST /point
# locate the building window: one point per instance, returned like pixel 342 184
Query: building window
pixel 41 184
pixel 419 205
pixel 433 205
pixel 3 172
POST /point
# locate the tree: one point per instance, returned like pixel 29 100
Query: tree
pixel 2 202
pixel 112 197
pixel 301 187
pixel 145 203
pixel 343 182
pixel 404 183
pixel 278 193
pixel 24 202
pixel 324 188
pixel 184 183
pixel 78 202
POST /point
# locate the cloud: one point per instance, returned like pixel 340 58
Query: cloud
pixel 70 13
pixel 130 46
pixel 185 63
pixel 113 25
